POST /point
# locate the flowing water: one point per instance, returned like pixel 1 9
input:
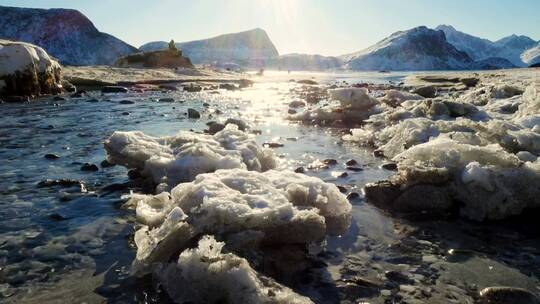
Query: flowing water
pixel 73 243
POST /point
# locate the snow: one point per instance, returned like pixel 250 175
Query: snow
pixel 213 277
pixel 475 173
pixel 25 58
pixel 173 159
pixel 532 55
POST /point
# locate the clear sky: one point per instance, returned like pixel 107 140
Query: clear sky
pixel 328 27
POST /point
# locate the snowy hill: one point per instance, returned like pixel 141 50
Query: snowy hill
pixel 242 47
pixel 64 33
pixel 512 47
pixel 419 48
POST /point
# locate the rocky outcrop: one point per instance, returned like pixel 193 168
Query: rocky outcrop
pixel 64 33
pixel 155 59
pixel 27 70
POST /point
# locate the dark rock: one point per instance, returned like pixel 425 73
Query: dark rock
pixel 59 98
pixel 398 277
pixel 244 83
pixel 382 193
pixel 426 91
pixel 51 156
pixel 106 164
pixel 297 104
pixel 125 113
pixel 330 162
pixel 10 99
pixel 351 162
pixel 114 89
pixel 92 100
pixel 353 196
pixel 89 167
pixel 192 113
pixel 215 127
pixel 168 87
pixel 242 125
pixel 291 111
pixel 507 295
pixel 389 166
pixel 341 189
pixel 126 102
pixel 166 99
pixel 64 182
pixel 192 88
pixel 206 105
pixel 354 169
pixel 68 86
pixel 300 170
pixel 115 187
pixel 272 145
pixel 307 81
pixel 228 86
pixel 57 217
pixel 469 81
pixel 378 153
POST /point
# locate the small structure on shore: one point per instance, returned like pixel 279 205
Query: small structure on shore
pixel 169 58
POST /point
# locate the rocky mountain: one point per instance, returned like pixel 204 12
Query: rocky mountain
pixel 240 47
pixel 302 62
pixel 510 48
pixel 419 48
pixel 65 34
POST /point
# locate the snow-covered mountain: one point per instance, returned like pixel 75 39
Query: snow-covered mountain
pixel 510 48
pixel 241 47
pixel 65 34
pixel 477 48
pixel 419 48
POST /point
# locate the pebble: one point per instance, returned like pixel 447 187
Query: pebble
pixel 273 145
pixel 378 153
pixel 330 162
pixel 389 166
pixel 351 162
pixel 114 89
pixel 126 102
pixel 300 170
pixel 51 156
pixel 353 195
pixel 192 113
pixel 89 167
pixel 355 169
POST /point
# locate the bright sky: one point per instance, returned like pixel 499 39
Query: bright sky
pixel 327 27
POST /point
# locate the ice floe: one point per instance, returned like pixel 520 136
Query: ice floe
pixel 170 160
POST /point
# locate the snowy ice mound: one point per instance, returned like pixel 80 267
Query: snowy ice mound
pixel 282 207
pixel 206 275
pixel 180 158
pixel 26 69
pixel 355 105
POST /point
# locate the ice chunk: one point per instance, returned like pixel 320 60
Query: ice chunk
pixel 475 173
pixel 206 275
pixel 531 102
pixel 354 98
pixel 395 98
pixel 180 158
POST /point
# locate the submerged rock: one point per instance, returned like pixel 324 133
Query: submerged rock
pixel 192 113
pixel 114 89
pixel 27 70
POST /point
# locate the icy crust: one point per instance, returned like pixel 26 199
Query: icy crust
pixel 282 207
pixel 206 275
pixel 354 105
pixel 180 158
